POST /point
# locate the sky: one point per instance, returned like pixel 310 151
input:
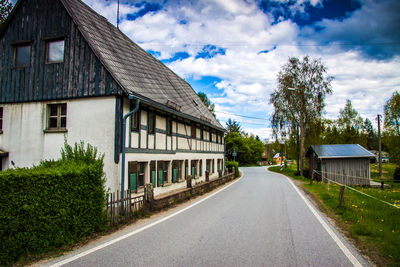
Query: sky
pixel 233 49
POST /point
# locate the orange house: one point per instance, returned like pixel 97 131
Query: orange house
pixel 278 158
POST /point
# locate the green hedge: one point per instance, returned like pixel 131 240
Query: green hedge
pixel 48 206
pixel 233 164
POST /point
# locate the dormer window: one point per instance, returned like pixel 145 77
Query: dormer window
pixel 22 55
pixel 55 51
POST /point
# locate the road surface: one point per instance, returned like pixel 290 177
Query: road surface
pixel 260 220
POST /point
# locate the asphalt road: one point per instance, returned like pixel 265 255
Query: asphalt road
pixel 261 220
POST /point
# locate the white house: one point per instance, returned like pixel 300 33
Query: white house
pixel 66 71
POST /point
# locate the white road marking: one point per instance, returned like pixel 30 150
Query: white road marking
pixel 335 238
pixel 87 252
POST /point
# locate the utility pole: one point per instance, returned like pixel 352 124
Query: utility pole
pixel 380 146
pixel 118 15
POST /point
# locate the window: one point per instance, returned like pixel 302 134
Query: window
pixel 141 174
pixel 135 121
pixel 193 130
pixel 210 137
pixel 162 172
pixel 22 55
pixel 136 174
pixel 202 134
pixel 169 126
pixel 55 51
pixel 176 170
pixel 152 123
pixel 57 116
pixel 1 119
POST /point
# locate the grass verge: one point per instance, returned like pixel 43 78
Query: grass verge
pixel 373 225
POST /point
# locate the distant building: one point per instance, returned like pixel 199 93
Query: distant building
pixel 278 158
pixel 384 154
pixel 347 164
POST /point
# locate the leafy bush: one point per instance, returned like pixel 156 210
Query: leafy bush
pixel 51 205
pixel 233 164
pixel 396 175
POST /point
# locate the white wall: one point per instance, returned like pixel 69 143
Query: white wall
pixel 88 119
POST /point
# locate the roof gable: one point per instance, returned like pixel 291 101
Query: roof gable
pixel 340 151
pixel 136 71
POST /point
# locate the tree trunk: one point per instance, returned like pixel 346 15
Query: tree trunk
pixel 301 144
pixel 298 150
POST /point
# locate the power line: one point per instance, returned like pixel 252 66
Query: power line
pixel 241 44
pixel 249 117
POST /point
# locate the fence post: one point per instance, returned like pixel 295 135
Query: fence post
pixel 148 196
pixel 382 185
pixel 189 181
pixel 341 193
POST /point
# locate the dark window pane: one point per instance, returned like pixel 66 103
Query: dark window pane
pixel 55 51
pixel 141 180
pixel 64 109
pixel 22 55
pixel 53 123
pixel 63 122
pixel 53 110
pixel 151 123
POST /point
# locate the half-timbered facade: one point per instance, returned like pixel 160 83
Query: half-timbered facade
pixel 66 72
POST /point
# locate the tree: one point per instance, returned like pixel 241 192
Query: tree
pixel 350 125
pixel 372 137
pixel 5 9
pixel 299 98
pixel 392 112
pixel 233 126
pixel 349 118
pixel 207 102
pixel 249 149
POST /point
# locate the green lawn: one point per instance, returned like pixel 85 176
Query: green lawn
pixel 387 173
pixel 374 226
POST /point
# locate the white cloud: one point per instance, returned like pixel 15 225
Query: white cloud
pixel 249 77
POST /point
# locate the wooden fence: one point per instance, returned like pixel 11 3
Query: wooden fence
pixel 120 208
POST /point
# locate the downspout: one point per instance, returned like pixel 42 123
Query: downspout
pixel 123 143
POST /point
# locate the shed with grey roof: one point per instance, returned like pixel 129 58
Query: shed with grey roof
pixel 344 163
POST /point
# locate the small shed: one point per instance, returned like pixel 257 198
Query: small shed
pixel 347 164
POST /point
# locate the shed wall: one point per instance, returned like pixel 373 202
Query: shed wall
pixel 349 171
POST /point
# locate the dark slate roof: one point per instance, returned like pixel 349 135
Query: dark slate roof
pixel 340 151
pixel 135 70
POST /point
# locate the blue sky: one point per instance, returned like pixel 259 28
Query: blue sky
pixel 233 49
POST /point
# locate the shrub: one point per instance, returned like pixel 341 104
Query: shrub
pixel 50 205
pixel 396 175
pixel 233 164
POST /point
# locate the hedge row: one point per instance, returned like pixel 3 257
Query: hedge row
pixel 48 206
pixel 233 164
